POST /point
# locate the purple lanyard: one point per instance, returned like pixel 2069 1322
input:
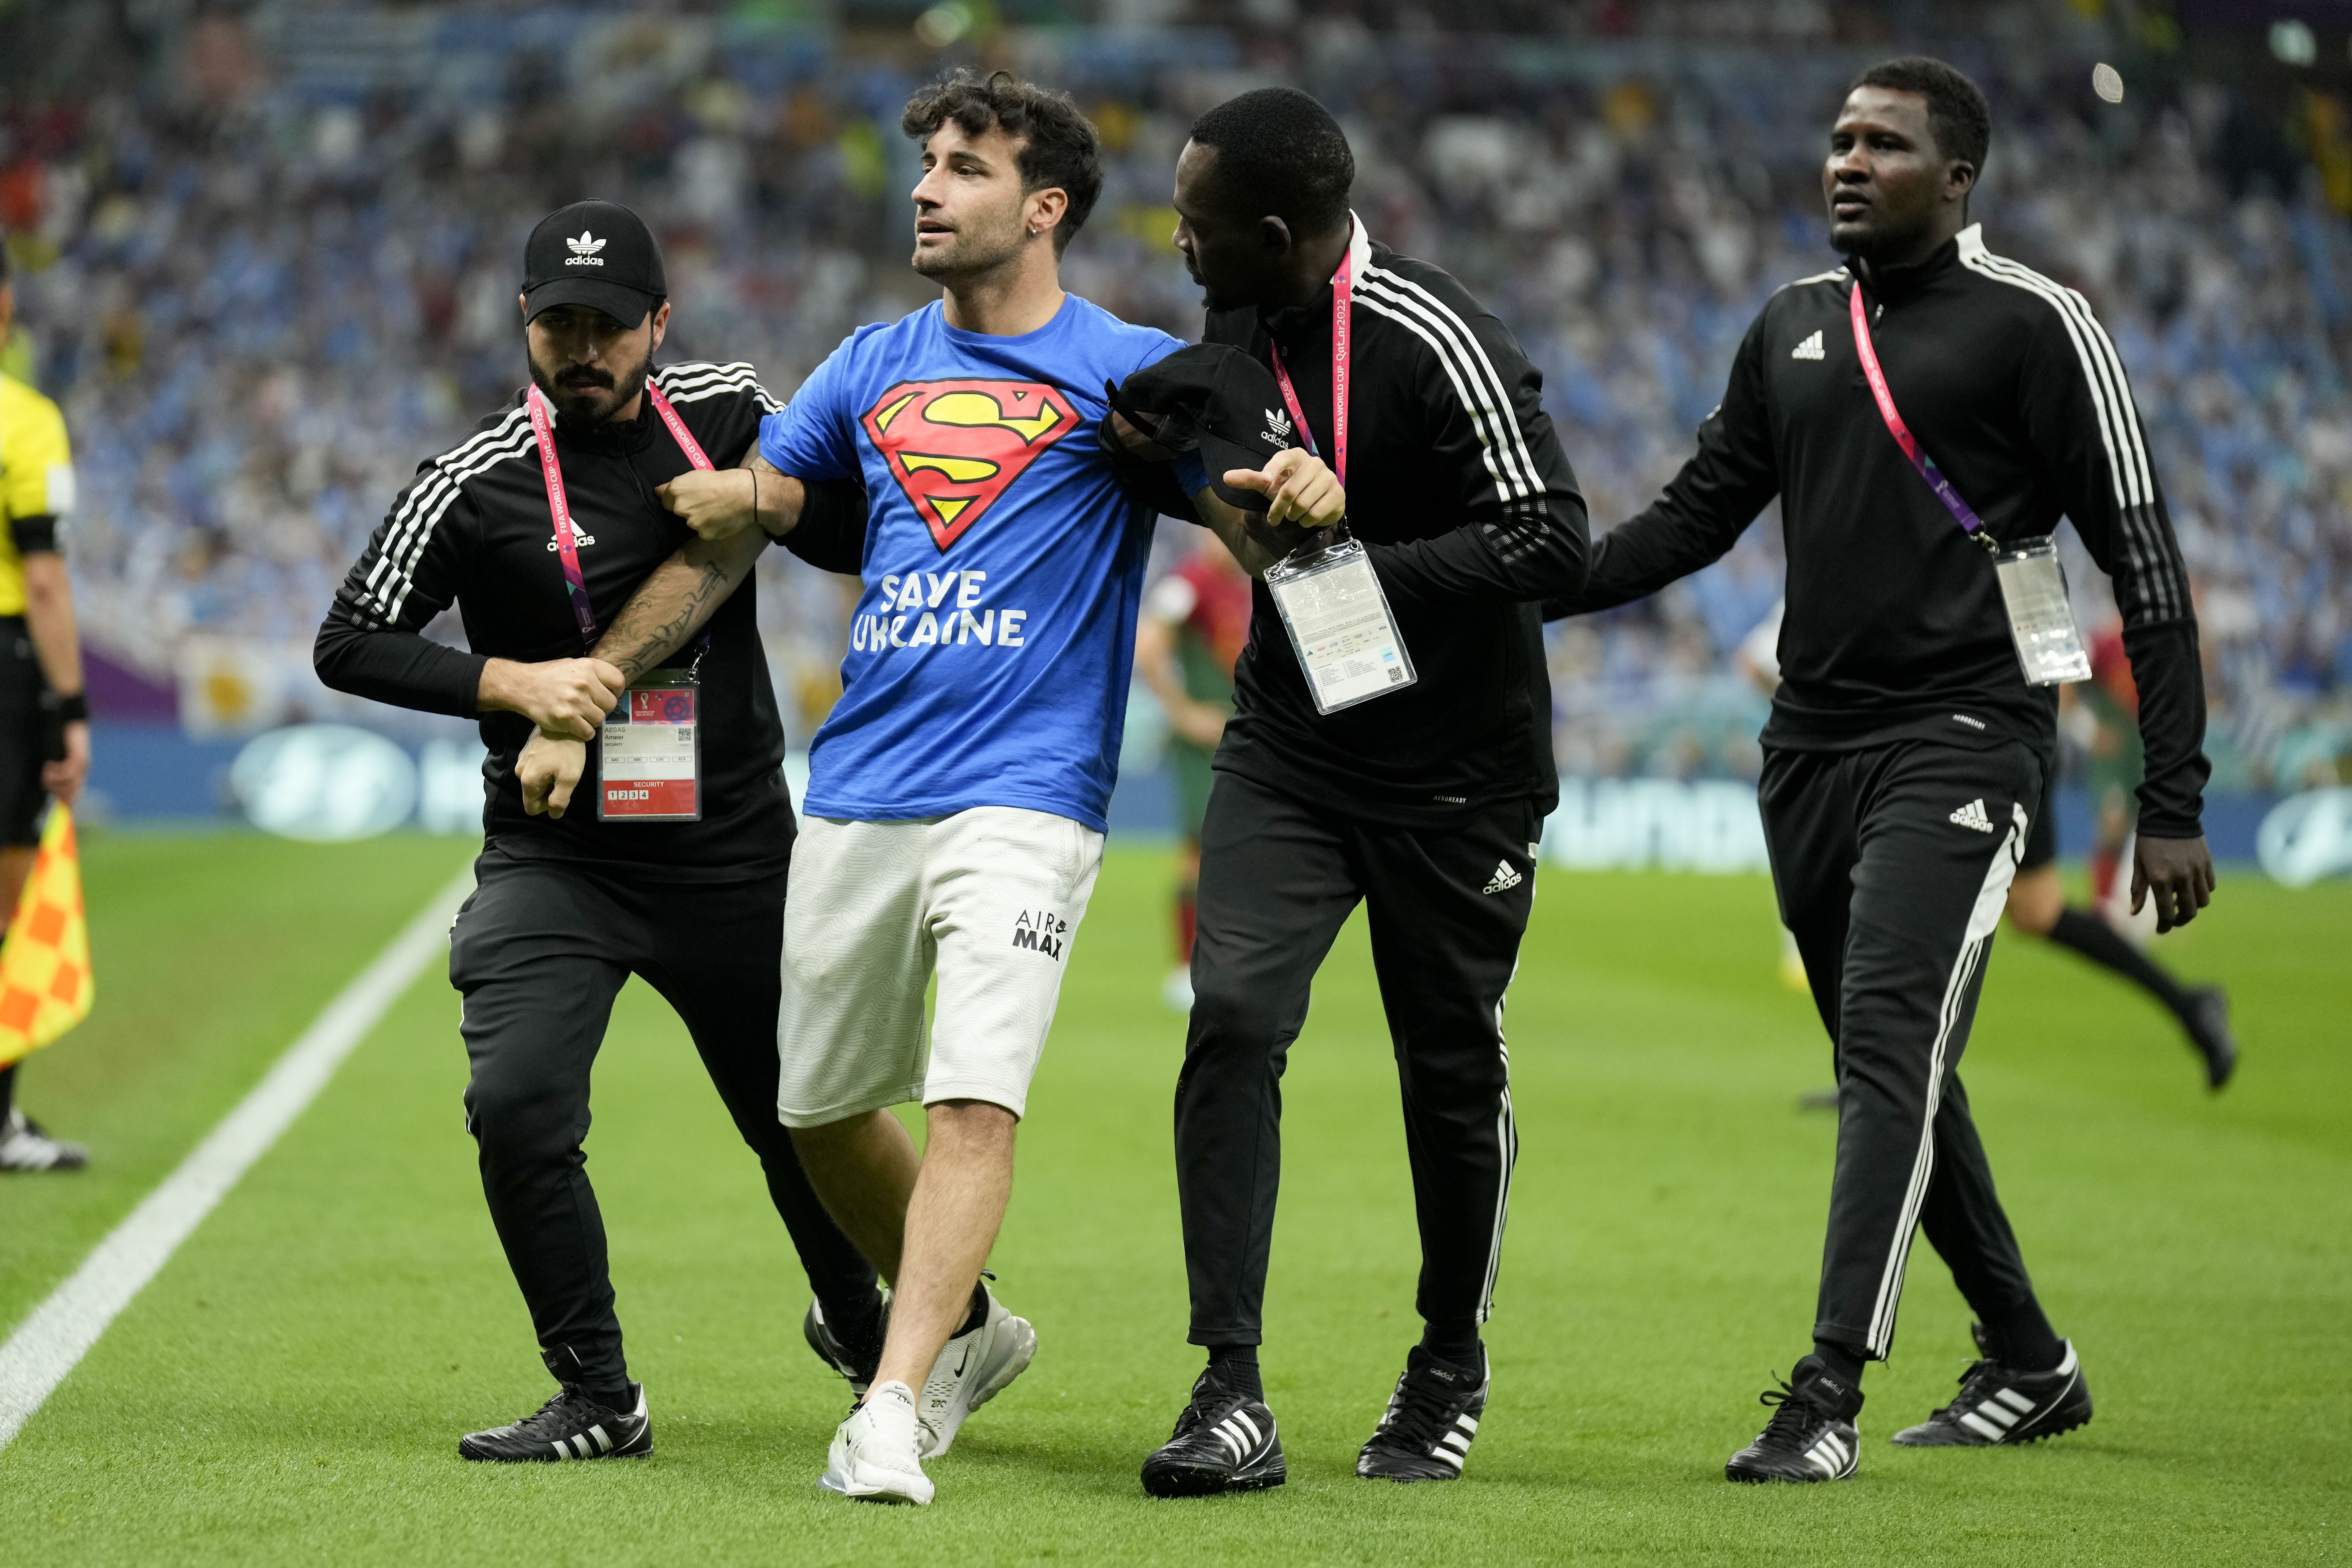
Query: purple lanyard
pixel 1968 521
pixel 567 549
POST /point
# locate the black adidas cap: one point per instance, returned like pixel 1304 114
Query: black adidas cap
pixel 597 254
pixel 1216 400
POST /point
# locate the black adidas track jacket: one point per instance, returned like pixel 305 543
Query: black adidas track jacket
pixel 1894 626
pixel 473 528
pixel 1471 516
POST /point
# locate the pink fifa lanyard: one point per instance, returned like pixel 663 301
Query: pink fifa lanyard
pixel 1959 508
pixel 1342 298
pixel 542 427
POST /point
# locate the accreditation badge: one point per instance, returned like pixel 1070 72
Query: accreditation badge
pixel 649 756
pixel 1339 620
pixel 2040 619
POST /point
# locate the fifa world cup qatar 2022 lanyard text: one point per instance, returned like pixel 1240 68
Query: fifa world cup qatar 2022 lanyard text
pixel 2032 587
pixel 649 753
pixel 1330 598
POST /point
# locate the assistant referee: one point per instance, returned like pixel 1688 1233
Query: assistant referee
pixel 569 906
pixel 1906 754
pixel 44 712
pixel 1424 804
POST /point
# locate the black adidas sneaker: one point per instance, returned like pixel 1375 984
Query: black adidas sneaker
pixel 1223 1443
pixel 1424 1434
pixel 26 1145
pixel 1811 1436
pixel 857 1367
pixel 2000 1405
pixel 571 1425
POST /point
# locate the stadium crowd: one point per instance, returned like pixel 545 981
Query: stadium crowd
pixel 276 262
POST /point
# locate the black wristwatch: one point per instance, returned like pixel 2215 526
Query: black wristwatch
pixel 65 708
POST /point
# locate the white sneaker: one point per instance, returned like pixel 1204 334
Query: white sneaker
pixel 875 1452
pixel 973 1369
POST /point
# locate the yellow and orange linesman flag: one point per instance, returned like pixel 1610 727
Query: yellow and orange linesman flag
pixel 45 980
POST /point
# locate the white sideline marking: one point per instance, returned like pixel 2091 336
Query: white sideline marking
pixel 48 1344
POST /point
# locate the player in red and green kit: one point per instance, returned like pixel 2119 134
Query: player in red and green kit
pixel 1194 623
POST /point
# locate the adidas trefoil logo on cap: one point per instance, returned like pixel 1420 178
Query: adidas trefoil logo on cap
pixel 1973 815
pixel 1810 349
pixel 585 249
pixel 1277 428
pixel 1505 878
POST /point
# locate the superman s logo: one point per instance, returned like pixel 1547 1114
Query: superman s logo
pixel 955 446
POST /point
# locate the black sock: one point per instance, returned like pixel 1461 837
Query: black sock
pixel 979 1313
pixel 2105 946
pixel 1454 1340
pixel 2021 1338
pixel 856 1322
pixel 1236 1369
pixel 7 1088
pixel 1841 1360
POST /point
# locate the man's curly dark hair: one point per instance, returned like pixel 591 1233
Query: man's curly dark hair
pixel 1059 147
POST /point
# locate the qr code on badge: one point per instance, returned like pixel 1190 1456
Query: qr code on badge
pixel 1395 676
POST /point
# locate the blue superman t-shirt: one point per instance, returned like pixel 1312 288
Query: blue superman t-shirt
pixel 991 649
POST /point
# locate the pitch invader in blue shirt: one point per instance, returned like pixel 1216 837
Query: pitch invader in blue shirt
pixel 955 808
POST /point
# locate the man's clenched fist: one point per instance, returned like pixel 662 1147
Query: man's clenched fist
pixel 549 770
pixel 562 696
pixel 714 502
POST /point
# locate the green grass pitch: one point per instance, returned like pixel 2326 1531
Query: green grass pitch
pixel 289 1389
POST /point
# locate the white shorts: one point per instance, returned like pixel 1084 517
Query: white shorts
pixel 989 897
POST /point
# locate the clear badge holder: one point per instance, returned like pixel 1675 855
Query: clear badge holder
pixel 2041 620
pixel 1338 622
pixel 649 756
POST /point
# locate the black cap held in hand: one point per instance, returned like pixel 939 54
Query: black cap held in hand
pixel 597 254
pixel 1215 399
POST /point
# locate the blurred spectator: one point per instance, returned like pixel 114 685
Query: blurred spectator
pixel 266 262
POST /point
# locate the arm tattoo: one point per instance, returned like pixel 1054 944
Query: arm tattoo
pixel 653 625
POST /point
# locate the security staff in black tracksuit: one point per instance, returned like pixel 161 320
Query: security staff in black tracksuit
pixel 1905 753
pixel 567 906
pixel 1426 804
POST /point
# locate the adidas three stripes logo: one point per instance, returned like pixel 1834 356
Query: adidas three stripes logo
pixel 1455 1446
pixel 1993 1418
pixel 563 1445
pixel 1830 1456
pixel 1240 1436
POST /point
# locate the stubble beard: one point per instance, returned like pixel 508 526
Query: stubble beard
pixel 585 407
pixel 968 255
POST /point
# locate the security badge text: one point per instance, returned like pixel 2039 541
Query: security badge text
pixel 2041 617
pixel 650 756
pixel 1041 931
pixel 1338 622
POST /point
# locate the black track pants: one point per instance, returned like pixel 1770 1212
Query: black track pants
pixel 1447 909
pixel 540 951
pixel 1893 867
